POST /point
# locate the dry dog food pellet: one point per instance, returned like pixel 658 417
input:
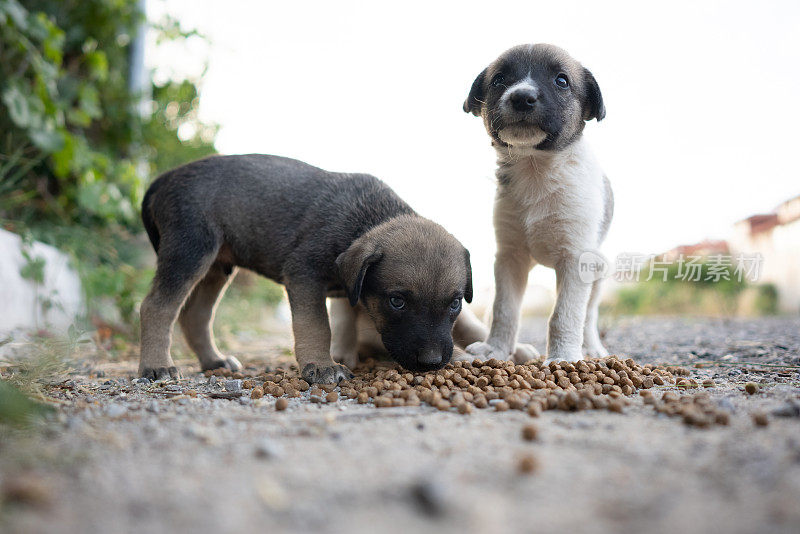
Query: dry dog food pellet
pixel 533 387
pixel 708 383
pixel 760 419
pixel 256 393
pixel 281 404
pixel 248 384
pixel 527 464
pixel 751 388
pixel 383 402
pixel 529 432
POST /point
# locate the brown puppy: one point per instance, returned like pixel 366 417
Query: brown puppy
pixel 320 234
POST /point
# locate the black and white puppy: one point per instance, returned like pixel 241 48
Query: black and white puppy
pixel 553 201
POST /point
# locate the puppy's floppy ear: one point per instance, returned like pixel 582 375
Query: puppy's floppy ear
pixel 477 95
pixel 352 265
pixel 593 107
pixel 468 287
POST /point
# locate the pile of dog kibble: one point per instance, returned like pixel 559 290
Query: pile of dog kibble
pixel 502 385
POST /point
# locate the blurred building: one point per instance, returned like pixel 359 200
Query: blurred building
pixel 709 247
pixel 776 236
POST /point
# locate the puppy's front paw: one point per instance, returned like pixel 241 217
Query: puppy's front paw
pixel 228 362
pixel 348 359
pixel 485 351
pixel 326 374
pixel 525 353
pixel 160 373
pixel 596 352
pixel 571 356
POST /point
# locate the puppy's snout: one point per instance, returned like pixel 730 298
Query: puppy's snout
pixel 523 99
pixel 430 356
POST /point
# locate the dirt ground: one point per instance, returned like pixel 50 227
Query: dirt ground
pixel 121 456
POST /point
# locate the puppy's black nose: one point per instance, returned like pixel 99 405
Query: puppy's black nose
pixel 429 357
pixel 523 99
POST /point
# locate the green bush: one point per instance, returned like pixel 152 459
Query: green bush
pixel 713 290
pixel 766 302
pixel 76 153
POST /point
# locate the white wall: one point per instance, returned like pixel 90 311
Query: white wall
pixel 21 299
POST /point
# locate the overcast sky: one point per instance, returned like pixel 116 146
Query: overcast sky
pixel 701 100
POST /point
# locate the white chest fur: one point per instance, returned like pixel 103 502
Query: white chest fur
pixel 556 200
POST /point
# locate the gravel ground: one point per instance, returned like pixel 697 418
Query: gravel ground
pixel 126 456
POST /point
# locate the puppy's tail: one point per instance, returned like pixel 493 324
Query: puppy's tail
pixel 147 215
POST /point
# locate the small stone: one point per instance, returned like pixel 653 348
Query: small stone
pixel 751 388
pixel 726 404
pixel 789 409
pixel 267 450
pixel 137 381
pixel 281 404
pixel 233 385
pixel 429 497
pixel 116 410
pixel 29 490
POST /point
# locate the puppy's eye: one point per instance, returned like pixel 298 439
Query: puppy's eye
pixel 398 303
pixel 456 304
pixel 498 79
pixel 562 81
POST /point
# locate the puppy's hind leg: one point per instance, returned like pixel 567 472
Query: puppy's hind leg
pixel 344 332
pixel 312 332
pixel 197 317
pixel 181 264
pixel 592 345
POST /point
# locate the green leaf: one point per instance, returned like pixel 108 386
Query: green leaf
pixel 89 100
pixel 16 13
pixel 17 105
pixel 98 65
pixel 47 140
pixel 63 159
pixel 78 117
